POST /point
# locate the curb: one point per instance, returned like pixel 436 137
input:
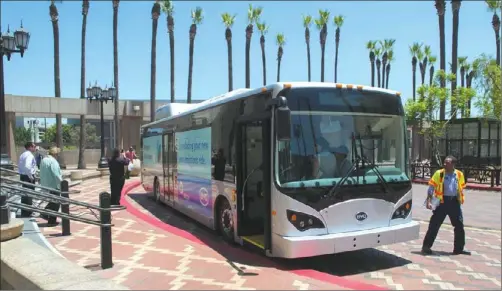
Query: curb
pixel 309 273
pixel 468 186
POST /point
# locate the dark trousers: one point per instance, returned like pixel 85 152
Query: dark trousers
pixel 54 207
pixel 451 208
pixel 25 199
pixel 116 185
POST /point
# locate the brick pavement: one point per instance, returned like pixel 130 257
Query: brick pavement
pixel 148 257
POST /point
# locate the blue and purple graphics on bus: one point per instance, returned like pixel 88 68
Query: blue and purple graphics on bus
pixel 194 170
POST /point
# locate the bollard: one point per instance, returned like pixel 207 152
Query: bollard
pixel 106 231
pixel 65 208
pixel 4 210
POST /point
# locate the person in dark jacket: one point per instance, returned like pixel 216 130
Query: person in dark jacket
pixel 117 165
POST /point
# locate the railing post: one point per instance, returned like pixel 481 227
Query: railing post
pixel 4 210
pixel 65 207
pixel 106 231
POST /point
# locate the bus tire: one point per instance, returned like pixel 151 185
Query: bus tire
pixel 156 190
pixel 225 220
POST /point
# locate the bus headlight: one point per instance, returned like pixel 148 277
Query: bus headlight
pixel 303 221
pixel 403 211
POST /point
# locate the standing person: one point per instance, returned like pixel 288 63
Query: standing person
pixel 27 167
pixel 445 197
pixel 130 154
pixel 51 177
pixel 117 166
pixel 38 156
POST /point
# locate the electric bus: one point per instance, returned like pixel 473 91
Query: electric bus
pixel 296 169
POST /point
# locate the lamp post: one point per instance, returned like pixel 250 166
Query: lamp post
pixel 102 96
pixel 9 45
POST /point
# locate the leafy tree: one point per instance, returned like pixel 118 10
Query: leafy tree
pixel 488 84
pixel 22 135
pixel 71 134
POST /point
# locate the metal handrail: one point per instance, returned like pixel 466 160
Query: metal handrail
pixel 40 186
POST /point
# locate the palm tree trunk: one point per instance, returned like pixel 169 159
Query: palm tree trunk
pixel 422 73
pixel 307 32
pixel 230 69
pixel 82 141
pixel 372 73
pixel 442 63
pixel 431 75
pixel 454 54
pixel 387 78
pixel 171 51
pixel 57 93
pixel 497 40
pixel 153 69
pixel 323 49
pixel 414 80
pixel 249 34
pixel 278 70
pixel 118 137
pixel 378 64
pixel 263 59
pixel 190 70
pixel 336 56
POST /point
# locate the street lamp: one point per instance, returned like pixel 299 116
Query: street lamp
pixel 103 96
pixel 9 45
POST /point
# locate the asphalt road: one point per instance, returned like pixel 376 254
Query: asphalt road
pixel 481 209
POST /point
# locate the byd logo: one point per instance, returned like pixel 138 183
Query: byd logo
pixel 361 216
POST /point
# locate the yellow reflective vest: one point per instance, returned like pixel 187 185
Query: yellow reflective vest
pixel 437 182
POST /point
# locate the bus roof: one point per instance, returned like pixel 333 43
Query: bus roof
pixel 176 111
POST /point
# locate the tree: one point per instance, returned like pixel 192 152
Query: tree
pixel 378 54
pixel 432 60
pixel 338 23
pixel 263 29
pixel 307 22
pixel 423 61
pixel 53 12
pixel 22 135
pixel 153 66
pixel 493 6
pixel 253 17
pixel 71 134
pixel 197 17
pixel 455 6
pixel 390 60
pixel 371 46
pixel 118 138
pixel 488 80
pixel 281 41
pixel 168 8
pixel 387 46
pixel 81 147
pixel 441 8
pixel 415 50
pixel 321 24
pixel 228 21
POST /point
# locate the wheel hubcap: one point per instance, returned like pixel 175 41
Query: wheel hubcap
pixel 227 222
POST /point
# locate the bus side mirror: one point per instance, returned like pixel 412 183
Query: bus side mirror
pixel 283 123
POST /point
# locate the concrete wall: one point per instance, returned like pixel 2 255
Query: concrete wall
pixel 91 157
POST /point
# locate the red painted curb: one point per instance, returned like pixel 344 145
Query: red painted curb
pixel 468 186
pixel 320 276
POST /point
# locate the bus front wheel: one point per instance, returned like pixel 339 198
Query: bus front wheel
pixel 225 220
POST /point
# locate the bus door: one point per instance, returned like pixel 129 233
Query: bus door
pixel 165 168
pixel 168 168
pixel 254 181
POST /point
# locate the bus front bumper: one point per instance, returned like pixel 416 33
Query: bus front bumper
pixel 309 246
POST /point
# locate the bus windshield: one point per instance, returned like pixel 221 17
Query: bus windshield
pixel 333 129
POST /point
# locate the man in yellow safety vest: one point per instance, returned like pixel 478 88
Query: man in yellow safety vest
pixel 445 197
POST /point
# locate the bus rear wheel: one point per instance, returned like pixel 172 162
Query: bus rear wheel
pixel 226 221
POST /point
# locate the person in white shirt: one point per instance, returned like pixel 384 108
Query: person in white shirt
pixel 27 166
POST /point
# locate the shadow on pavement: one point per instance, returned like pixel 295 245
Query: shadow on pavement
pixel 344 264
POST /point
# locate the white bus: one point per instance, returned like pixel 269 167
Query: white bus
pixel 297 169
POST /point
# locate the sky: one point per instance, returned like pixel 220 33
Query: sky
pixel 405 21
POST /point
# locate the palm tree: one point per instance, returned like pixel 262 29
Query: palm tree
pixel 321 24
pixel 263 28
pixel 338 23
pixel 197 18
pixel 371 45
pixel 253 17
pixel 168 8
pixel 81 146
pixel 386 45
pixel 116 72
pixel 494 5
pixel 281 41
pixel 390 59
pixel 474 67
pixel 415 49
pixel 462 63
pixel 432 60
pixel 228 21
pixel 307 22
pixel 378 54
pixel 455 6
pixel 153 69
pixel 441 8
pixel 423 62
pixel 53 12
